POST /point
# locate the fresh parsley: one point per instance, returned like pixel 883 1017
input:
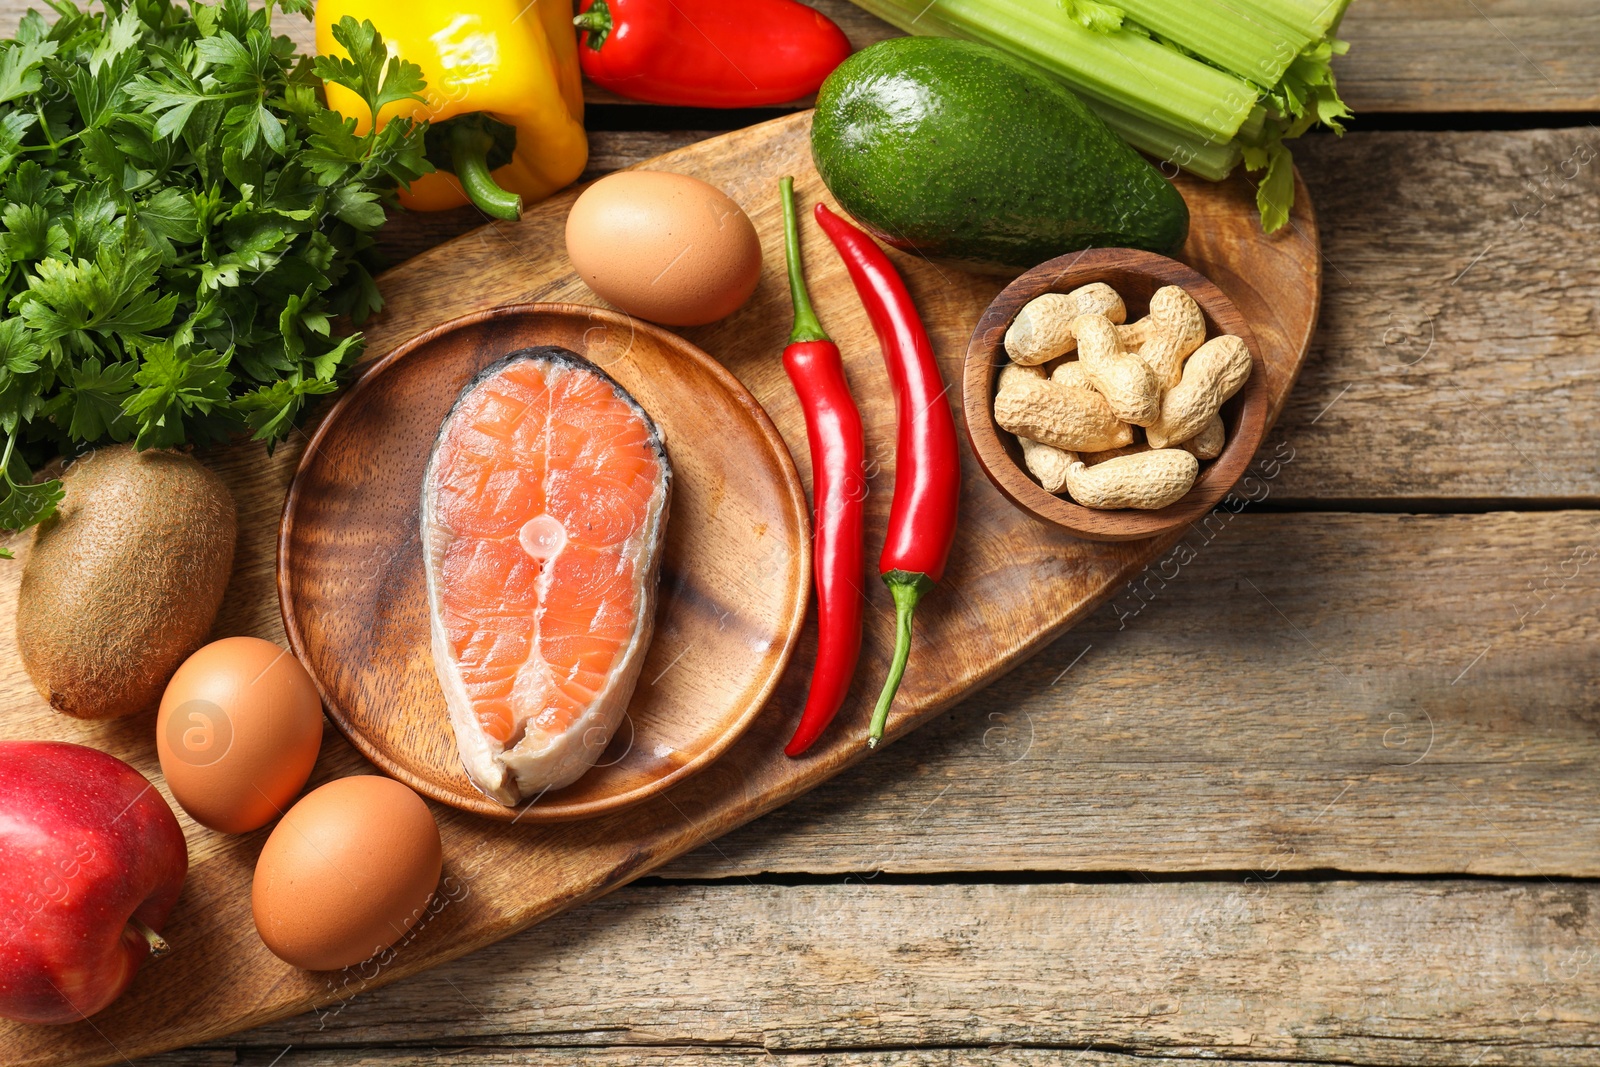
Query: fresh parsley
pixel 182 223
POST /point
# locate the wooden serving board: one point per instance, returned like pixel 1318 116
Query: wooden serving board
pixel 1013 584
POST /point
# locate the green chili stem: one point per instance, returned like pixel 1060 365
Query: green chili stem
pixel 907 588
pixel 806 326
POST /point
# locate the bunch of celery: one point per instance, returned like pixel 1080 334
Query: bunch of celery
pixel 1200 84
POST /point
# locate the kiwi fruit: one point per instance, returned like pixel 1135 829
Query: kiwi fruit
pixel 124 582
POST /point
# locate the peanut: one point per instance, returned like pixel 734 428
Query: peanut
pixel 1207 444
pixel 1166 337
pixel 1010 372
pixel 1066 417
pixel 1146 480
pixel 1047 464
pixel 1216 371
pixel 1124 379
pixel 1042 330
pixel 1134 334
pixel 1076 418
pixel 1070 373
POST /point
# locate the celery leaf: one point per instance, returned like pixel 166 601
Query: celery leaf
pixel 1093 15
pixel 1275 193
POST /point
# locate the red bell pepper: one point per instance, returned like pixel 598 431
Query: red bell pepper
pixel 708 53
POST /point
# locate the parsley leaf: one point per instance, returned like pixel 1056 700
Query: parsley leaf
pixel 182 222
pixel 27 505
pixel 26 502
pixel 173 385
pixel 365 72
pixel 19 68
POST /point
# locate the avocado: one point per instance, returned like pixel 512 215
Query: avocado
pixel 955 150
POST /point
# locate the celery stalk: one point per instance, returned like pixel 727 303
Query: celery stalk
pixel 1317 19
pixel 1208 159
pixel 1225 32
pixel 1126 70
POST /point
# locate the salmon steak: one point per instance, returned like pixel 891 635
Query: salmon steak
pixel 544 512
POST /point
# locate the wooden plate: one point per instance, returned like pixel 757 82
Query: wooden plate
pixel 1136 276
pixel 734 580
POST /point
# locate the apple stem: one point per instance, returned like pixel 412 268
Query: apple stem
pixel 158 945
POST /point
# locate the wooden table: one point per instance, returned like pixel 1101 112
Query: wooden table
pixel 1329 790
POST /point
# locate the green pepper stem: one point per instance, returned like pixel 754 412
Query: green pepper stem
pixel 806 326
pixel 907 588
pixel 469 158
pixel 595 24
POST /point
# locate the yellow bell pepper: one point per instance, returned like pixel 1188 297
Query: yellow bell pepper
pixel 512 60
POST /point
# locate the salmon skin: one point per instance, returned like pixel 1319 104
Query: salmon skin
pixel 544 512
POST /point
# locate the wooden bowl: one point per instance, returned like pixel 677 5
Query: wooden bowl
pixel 735 577
pixel 1136 275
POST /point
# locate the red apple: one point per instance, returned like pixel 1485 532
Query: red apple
pixel 91 862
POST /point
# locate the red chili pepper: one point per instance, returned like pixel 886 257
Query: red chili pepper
pixel 833 429
pixel 927 481
pixel 709 53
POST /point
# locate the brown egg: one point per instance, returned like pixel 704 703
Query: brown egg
pixel 238 733
pixel 346 873
pixel 665 247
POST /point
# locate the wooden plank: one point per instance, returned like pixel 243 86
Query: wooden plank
pixel 1405 55
pixel 459 1054
pixel 1448 972
pixel 1471 55
pixel 1456 352
pixel 506 1052
pixel 1360 692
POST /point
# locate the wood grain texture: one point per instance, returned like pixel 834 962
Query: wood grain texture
pixel 1457 351
pixel 1405 55
pixel 1135 276
pixel 1012 585
pixel 1470 55
pixel 507 1052
pixel 1448 972
pixel 735 571
pixel 1376 693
